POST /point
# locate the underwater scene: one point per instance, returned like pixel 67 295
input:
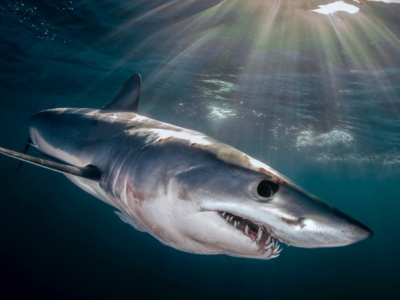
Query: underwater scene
pixel 310 88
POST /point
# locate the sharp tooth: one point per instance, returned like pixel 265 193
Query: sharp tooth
pixel 235 224
pixel 223 214
pixel 269 246
pixel 268 253
pixel 275 249
pixel 259 230
pixel 268 240
pixel 246 230
pixel 259 234
pixel 227 218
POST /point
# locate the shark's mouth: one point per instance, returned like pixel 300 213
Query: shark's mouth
pixel 268 245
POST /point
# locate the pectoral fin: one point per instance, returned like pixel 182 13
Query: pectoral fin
pixel 89 172
pixel 27 145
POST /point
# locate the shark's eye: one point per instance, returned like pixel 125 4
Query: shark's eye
pixel 267 189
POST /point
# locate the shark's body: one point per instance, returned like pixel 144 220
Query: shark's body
pixel 186 189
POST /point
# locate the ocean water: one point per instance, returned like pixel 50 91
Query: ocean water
pixel 315 96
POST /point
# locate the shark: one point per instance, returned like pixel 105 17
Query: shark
pixel 185 188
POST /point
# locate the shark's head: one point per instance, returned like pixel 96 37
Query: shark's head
pixel 241 212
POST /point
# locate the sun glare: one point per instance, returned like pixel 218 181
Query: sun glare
pixel 240 44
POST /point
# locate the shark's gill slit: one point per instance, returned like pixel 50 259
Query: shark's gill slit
pixel 267 188
pixel 267 244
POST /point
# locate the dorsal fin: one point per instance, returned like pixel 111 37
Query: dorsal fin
pixel 128 97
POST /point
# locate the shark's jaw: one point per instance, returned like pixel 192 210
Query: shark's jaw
pixel 268 245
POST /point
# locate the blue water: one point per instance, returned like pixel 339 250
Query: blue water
pixel 316 97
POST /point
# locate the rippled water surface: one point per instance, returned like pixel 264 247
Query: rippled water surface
pixel 316 96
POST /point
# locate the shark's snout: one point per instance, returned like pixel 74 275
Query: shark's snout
pixel 319 225
pixel 363 233
pixel 351 230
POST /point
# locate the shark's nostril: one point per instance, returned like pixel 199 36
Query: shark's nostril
pixel 297 222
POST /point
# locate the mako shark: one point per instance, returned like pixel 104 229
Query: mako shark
pixel 186 189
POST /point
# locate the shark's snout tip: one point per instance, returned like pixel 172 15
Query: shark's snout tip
pixel 361 233
pixel 365 233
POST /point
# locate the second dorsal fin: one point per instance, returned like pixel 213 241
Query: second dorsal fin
pixel 128 97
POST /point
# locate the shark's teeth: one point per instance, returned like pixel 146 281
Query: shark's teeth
pixel 270 245
pixel 267 243
pixel 268 253
pixel 277 250
pixel 259 234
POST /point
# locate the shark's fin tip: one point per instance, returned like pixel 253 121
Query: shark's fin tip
pixel 128 97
